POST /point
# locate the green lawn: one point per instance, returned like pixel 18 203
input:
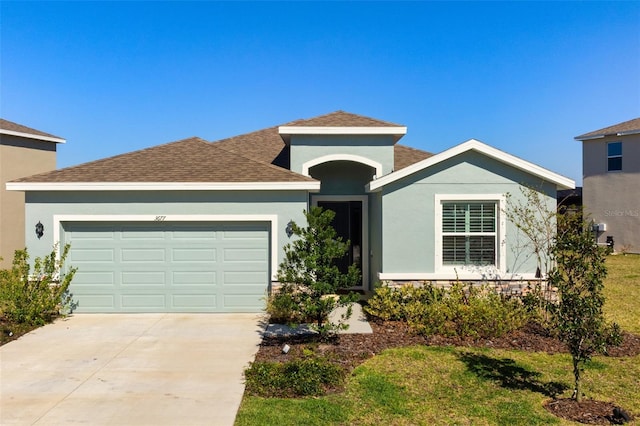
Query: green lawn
pixel 622 291
pixel 463 386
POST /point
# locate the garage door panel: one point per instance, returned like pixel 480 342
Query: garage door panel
pixel 165 267
pixel 245 255
pixel 146 278
pixel 142 255
pixel 93 278
pixel 186 278
pixel 98 303
pixel 80 255
pixel 195 302
pixel 143 302
pixel 194 255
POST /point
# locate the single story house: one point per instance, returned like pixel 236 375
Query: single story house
pixel 195 226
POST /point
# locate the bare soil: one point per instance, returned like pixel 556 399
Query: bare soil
pixel 350 350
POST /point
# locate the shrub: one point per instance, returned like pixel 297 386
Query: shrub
pixel 39 295
pixel 397 304
pixel 463 311
pixel 309 376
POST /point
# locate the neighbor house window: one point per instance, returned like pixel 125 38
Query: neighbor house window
pixel 469 233
pixel 614 156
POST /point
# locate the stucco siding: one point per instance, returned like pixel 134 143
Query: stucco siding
pixel 19 157
pixel 594 155
pixel 409 208
pixel 43 206
pixel 306 148
pixel 613 198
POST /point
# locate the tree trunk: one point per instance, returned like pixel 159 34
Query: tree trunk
pixel 576 375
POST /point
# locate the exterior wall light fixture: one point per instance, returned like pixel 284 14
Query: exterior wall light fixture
pixel 289 229
pixel 39 230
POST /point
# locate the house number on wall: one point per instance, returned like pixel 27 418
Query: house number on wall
pixel 160 218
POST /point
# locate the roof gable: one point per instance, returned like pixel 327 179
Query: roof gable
pixel 10 128
pixel 475 145
pixel 630 127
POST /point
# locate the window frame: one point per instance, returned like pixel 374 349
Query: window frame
pixel 614 157
pixel 462 270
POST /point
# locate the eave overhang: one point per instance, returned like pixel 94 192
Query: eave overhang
pixel 396 131
pixel 32 136
pixel 163 186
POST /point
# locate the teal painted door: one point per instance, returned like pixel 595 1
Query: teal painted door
pixel 168 267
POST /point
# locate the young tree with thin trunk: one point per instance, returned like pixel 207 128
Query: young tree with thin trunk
pixel 309 272
pixel 578 274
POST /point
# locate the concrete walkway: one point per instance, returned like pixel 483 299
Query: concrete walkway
pixel 358 324
pixel 129 369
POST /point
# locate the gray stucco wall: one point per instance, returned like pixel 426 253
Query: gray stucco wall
pixel 42 206
pixel 408 223
pixel 613 198
pixel 309 147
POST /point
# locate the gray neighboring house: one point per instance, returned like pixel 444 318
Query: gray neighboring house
pixel 23 152
pixel 611 183
pixel 195 226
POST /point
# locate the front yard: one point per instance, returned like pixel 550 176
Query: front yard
pixel 457 384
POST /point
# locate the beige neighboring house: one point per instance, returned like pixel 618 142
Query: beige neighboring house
pixel 23 152
pixel 611 183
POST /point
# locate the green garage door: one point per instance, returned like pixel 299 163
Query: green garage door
pixel 168 267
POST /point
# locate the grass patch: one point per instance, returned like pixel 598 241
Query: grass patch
pixel 437 385
pixel 622 291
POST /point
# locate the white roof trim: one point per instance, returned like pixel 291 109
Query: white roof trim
pixel 604 135
pixel 341 157
pixel 162 186
pixel 32 136
pixel 475 145
pixel 365 130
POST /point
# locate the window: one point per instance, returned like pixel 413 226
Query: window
pixel 469 233
pixel 614 156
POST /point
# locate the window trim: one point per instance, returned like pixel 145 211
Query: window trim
pixel 462 271
pixel 610 157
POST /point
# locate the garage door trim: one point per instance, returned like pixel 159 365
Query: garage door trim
pixel 273 219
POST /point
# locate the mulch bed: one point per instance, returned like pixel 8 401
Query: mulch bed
pixel 350 350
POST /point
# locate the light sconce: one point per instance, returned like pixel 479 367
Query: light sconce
pixel 289 229
pixel 39 230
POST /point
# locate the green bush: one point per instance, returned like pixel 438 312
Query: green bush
pixel 35 296
pixel 284 307
pixel 310 376
pixel 463 311
pixel 468 311
pixel 397 304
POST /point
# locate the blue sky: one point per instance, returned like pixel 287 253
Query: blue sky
pixel 525 77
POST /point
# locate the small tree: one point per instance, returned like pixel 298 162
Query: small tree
pixel 309 272
pixel 579 273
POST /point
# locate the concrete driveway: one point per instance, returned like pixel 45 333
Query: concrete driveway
pixel 129 369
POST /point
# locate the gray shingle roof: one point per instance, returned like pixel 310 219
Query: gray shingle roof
pixel 188 160
pixel 631 126
pixel 260 156
pixel 15 127
pixel 341 119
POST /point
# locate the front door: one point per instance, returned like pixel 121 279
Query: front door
pixel 348 223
